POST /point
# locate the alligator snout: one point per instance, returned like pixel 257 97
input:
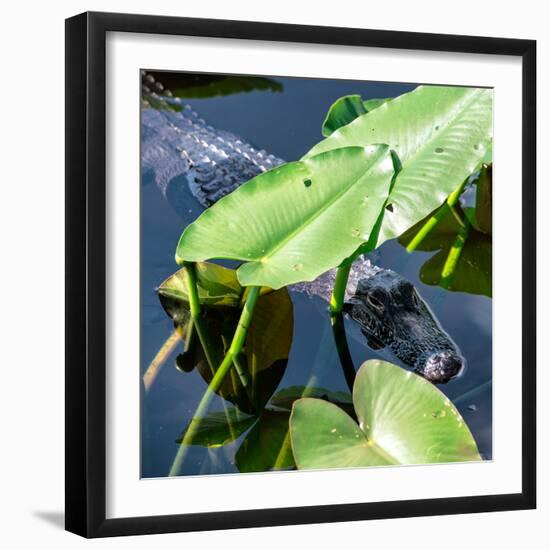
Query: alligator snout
pixel 443 366
pixel 393 315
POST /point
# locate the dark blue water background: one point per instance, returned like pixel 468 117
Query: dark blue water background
pixel 287 124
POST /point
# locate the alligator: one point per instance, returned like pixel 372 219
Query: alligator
pixel 389 310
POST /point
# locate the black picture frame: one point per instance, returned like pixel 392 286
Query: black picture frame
pixel 86 279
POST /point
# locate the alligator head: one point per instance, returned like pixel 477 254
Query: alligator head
pixel 392 314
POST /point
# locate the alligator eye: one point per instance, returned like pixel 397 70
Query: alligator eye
pixel 374 302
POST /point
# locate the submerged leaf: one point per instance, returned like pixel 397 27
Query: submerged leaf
pixel 217 286
pixel 267 445
pixel 403 419
pixel 297 221
pixel 473 271
pixel 265 366
pixel 285 398
pixel 267 343
pixel 219 428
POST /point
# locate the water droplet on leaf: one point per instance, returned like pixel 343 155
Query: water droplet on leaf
pixel 439 149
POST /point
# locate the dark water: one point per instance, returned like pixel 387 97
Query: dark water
pixel 287 124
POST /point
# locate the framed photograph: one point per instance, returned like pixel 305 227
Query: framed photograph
pixel 299 288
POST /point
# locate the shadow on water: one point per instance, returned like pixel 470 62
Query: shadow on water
pixel 269 119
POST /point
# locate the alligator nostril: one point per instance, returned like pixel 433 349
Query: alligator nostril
pixel 443 366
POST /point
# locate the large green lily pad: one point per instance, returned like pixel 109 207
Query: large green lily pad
pixel 403 419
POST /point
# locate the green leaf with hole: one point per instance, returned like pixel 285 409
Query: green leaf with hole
pixel 219 428
pixel 348 108
pixel 441 136
pixel 403 419
pixel 297 221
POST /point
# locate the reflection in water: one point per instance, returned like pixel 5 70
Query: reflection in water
pixel 466 234
pixel 262 362
pixel 312 359
pixel 201 86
